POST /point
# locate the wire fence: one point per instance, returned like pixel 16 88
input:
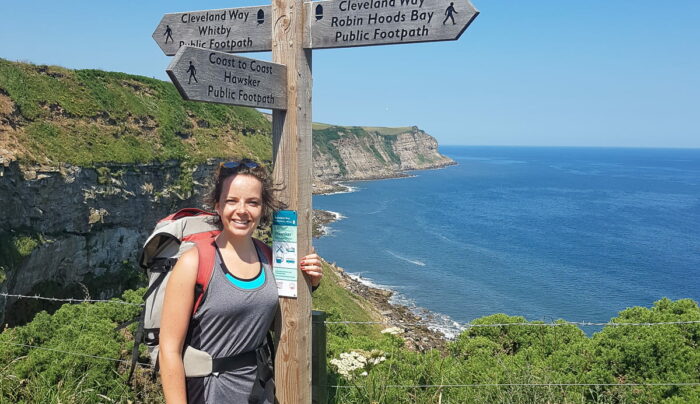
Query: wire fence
pixel 70 300
pixel 390 322
pixel 557 324
pixel 440 386
pixel 407 386
pixel 73 353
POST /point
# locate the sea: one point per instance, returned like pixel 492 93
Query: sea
pixel 541 232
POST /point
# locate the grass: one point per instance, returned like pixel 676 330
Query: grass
pixel 91 117
pixel 340 304
pixel 14 247
pixel 88 117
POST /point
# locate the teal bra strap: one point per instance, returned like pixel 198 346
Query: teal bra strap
pixel 251 284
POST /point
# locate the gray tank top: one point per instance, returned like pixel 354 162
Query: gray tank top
pixel 232 320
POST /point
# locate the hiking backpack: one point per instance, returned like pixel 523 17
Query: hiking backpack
pixel 172 236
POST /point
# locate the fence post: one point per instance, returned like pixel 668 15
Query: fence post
pixel 319 375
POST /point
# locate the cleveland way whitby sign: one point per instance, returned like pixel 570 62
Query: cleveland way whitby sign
pixel 245 29
pixel 212 76
pixel 331 24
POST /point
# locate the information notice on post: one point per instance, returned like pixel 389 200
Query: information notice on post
pixel 284 252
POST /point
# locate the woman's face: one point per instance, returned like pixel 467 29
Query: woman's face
pixel 240 205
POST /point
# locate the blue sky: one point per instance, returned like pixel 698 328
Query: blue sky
pixel 539 72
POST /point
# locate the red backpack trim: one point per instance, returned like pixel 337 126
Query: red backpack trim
pixel 205 269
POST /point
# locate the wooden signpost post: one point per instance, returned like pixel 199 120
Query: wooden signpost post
pixel 202 42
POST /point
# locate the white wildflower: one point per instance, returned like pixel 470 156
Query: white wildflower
pixel 350 363
pixel 392 330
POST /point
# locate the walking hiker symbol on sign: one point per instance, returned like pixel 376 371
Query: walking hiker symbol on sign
pixel 448 13
pixel 193 73
pixel 168 34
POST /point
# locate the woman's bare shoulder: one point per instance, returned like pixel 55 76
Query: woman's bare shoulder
pixel 186 266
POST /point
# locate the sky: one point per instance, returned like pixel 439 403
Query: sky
pixel 610 73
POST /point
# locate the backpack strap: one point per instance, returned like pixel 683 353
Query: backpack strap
pixel 265 249
pixel 207 251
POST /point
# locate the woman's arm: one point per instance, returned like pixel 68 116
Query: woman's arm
pixel 177 311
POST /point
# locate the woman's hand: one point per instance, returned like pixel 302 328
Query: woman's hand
pixel 312 268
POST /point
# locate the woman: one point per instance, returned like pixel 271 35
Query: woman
pixel 240 303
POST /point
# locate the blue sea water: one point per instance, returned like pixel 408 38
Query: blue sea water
pixel 545 233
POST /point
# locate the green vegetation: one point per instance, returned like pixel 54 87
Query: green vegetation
pixel 368 363
pixel 323 140
pixel 87 117
pixel 518 355
pixel 15 246
pixel 341 305
pixel 49 375
pixel 92 117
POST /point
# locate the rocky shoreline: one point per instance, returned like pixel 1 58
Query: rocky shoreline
pixel 326 187
pixel 412 328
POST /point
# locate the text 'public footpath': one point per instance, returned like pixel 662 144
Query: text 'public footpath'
pixel 369 20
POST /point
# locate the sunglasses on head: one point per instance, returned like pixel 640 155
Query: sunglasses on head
pixel 236 164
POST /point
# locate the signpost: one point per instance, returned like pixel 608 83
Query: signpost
pixel 211 76
pixel 344 23
pixel 204 70
pixel 331 24
pixel 245 29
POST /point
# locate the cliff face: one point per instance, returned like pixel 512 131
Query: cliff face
pixel 357 153
pixel 73 231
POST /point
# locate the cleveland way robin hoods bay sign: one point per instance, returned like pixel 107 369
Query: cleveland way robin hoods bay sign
pixel 331 24
pixel 245 29
pixel 345 23
pixel 212 76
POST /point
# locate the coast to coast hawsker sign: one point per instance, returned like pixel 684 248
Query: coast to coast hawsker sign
pixel 212 76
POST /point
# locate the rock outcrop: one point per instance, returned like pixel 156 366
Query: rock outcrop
pixel 356 153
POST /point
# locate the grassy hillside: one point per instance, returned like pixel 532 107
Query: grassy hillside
pixel 52 114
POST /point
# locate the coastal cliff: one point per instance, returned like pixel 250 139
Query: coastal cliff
pixel 361 153
pixel 90 160
pixel 73 231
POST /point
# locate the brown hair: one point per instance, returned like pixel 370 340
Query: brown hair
pixel 254 169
